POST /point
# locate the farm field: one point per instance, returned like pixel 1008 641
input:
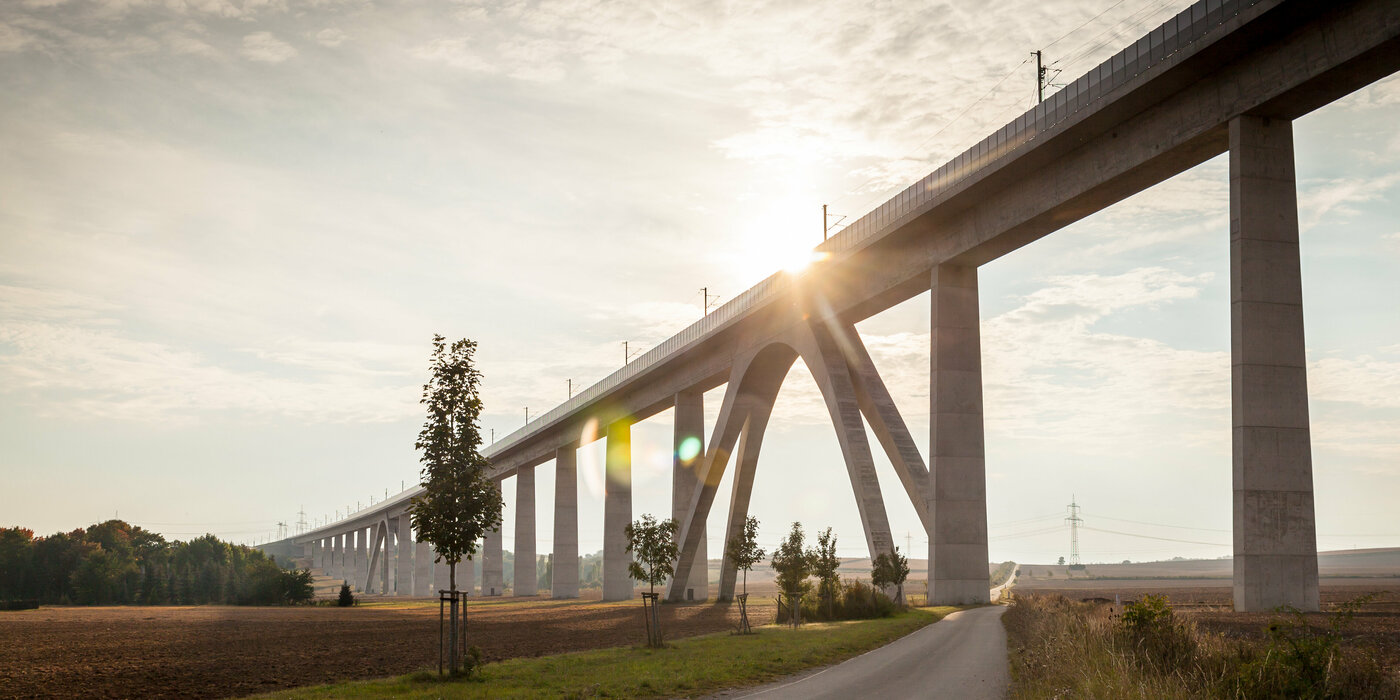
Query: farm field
pixel 216 651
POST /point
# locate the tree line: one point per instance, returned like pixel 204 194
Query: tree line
pixel 116 563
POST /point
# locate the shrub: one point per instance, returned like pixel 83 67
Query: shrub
pixel 1162 642
pixel 347 598
pixel 856 600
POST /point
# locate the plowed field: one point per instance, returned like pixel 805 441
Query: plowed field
pixel 194 652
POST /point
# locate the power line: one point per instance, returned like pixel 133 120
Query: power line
pixel 1150 537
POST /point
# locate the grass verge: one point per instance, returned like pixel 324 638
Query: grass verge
pixel 692 666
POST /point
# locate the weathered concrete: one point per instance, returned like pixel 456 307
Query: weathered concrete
pixel 403 552
pixel 565 580
pixel 492 565
pixel 745 466
pixel 688 434
pixel 362 559
pixel 880 411
pixel 525 579
pixel 341 572
pixel 829 367
pixel 957 548
pixel 1275 535
pixel 617 512
pixel 442 575
pixel 422 569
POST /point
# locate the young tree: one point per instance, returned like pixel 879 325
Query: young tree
pixel 460 503
pixel 890 570
pixel 824 566
pixel 793 564
pixel 743 549
pixel 654 549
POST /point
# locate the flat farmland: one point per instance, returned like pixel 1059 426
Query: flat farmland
pixel 217 651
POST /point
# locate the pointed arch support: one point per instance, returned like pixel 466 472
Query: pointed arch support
pixel 885 421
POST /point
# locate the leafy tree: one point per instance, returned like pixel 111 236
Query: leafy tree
pixel 743 549
pixel 1062 561
pixel 824 566
pixel 792 562
pixel 654 549
pixel 16 557
pixel 890 569
pixel 460 503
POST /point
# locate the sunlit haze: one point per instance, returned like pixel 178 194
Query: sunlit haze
pixel 230 229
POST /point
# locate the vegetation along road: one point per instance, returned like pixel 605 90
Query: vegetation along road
pixel 963 656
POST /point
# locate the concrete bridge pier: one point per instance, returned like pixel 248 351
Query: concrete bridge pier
pixel 403 554
pixel 564 583
pixel 362 559
pixel 689 439
pixel 442 576
pixel 617 512
pixel 338 542
pixel 957 489
pixel 525 580
pixel 492 565
pixel 422 569
pixel 1275 533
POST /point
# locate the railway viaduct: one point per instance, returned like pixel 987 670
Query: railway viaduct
pixel 1221 76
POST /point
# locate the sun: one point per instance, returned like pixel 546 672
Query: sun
pixel 780 238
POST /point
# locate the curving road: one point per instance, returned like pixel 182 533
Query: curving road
pixel 962 656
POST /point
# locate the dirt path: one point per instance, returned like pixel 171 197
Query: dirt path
pixel 227 651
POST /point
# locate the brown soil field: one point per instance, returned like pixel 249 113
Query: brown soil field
pixel 217 651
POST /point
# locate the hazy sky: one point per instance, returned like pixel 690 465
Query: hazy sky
pixel 229 230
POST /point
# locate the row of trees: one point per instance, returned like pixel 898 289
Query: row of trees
pixel 115 562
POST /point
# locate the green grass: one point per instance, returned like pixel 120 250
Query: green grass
pixel 692 666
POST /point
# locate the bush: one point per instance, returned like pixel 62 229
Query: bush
pixel 1163 643
pixel 856 600
pixel 347 598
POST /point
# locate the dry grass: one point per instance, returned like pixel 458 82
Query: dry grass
pixel 1060 648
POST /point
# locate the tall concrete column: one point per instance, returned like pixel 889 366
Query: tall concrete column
pixel 423 570
pixel 957 489
pixel 525 580
pixel 441 575
pixel 1274 528
pixel 362 559
pixel 564 583
pixel 617 512
pixel 403 553
pixel 339 565
pixel 689 456
pixel 492 565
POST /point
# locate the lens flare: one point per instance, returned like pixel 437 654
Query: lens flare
pixel 689 449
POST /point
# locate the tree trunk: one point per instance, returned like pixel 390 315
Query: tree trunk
pixel 452 643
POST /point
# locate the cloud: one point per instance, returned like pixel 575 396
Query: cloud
pixel 68 371
pixel 1319 198
pixel 455 53
pixel 331 37
pixel 265 48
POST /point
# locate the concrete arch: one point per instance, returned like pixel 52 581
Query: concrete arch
pixel 754 382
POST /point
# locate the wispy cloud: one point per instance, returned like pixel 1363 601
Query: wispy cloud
pixel 263 47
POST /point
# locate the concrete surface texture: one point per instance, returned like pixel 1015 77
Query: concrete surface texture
pixel 1274 530
pixel 961 657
